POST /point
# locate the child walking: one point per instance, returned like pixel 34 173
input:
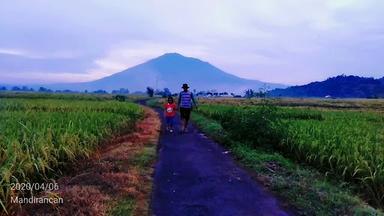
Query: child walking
pixel 170 113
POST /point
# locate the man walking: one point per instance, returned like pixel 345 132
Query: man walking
pixel 185 104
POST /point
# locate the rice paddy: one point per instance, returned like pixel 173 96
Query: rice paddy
pixel 346 143
pixel 39 135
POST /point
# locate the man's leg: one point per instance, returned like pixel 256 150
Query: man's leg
pixel 187 115
pixel 182 125
pixel 185 125
pixel 182 119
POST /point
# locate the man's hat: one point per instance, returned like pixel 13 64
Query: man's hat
pixel 185 86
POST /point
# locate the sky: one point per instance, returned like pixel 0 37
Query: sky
pixel 282 41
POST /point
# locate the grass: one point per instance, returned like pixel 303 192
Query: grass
pixel 124 208
pixel 314 103
pixel 145 157
pixel 342 139
pixel 39 135
pixel 141 162
pixel 155 102
pixel 303 187
pixel 346 144
pixel 61 96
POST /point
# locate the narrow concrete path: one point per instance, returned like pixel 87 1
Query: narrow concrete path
pixel 194 177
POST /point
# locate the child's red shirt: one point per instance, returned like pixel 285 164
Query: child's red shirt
pixel 170 109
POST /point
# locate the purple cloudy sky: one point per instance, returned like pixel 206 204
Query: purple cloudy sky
pixel 285 41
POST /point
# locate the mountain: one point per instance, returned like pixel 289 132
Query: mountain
pixel 340 86
pixel 171 70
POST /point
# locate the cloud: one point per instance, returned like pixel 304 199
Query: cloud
pixel 61 54
pixel 12 52
pixel 30 77
pixel 290 41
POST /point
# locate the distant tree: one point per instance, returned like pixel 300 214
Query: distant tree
pixel 201 93
pixel 163 93
pixel 166 92
pixel 3 88
pixel 261 93
pixel 26 89
pixel 42 89
pixel 100 91
pixel 158 92
pixel 124 91
pixel 121 91
pixel 16 88
pixel 150 91
pixel 138 93
pixel 86 91
pixel 65 91
pixel 68 91
pixel 249 93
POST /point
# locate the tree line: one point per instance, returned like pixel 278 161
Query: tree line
pixel 249 93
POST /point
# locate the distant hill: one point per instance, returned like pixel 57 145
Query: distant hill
pixel 171 70
pixel 340 87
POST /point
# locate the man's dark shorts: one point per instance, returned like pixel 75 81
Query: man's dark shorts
pixel 185 113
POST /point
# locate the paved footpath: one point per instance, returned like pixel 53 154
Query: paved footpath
pixel 194 177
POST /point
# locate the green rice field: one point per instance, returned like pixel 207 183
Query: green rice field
pixel 342 142
pixel 40 134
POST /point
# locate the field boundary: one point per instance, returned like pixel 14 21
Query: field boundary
pixel 115 180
